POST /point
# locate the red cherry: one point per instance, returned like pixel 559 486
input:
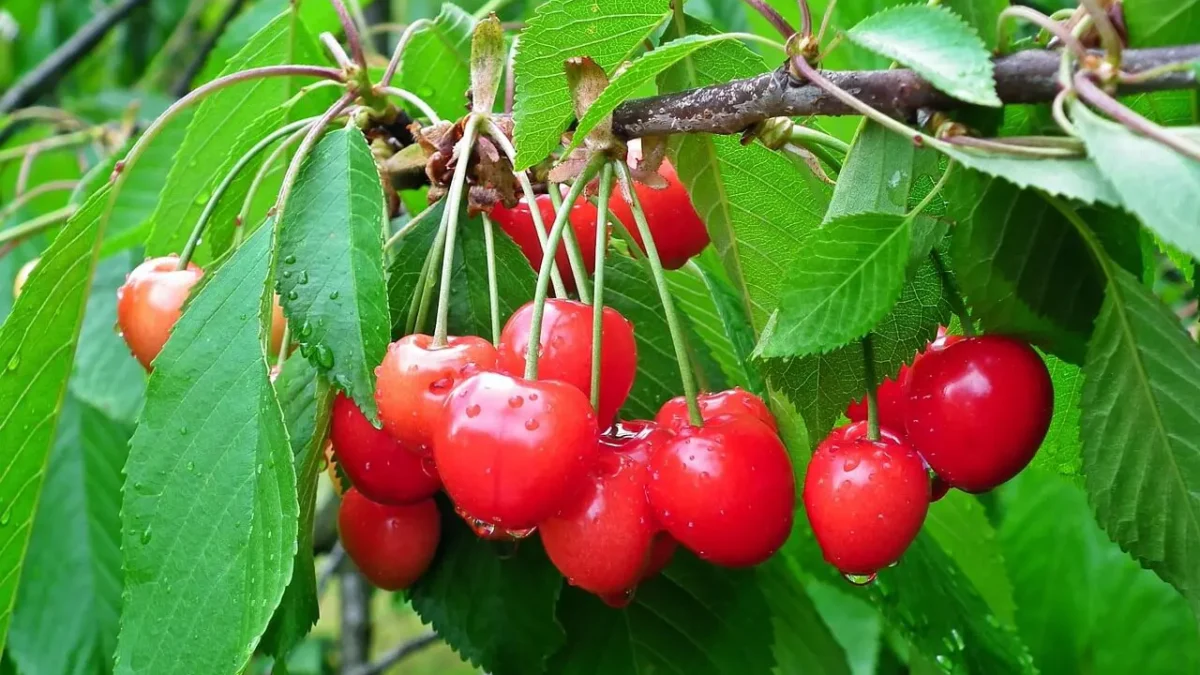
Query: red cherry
pixel 662 549
pixel 890 397
pixel 737 401
pixel 392 545
pixel 416 377
pixel 150 302
pixel 866 500
pixel 517 223
pixel 278 323
pixel 512 451
pixel 379 466
pixel 566 350
pixel 725 490
pixel 635 439
pixel 678 231
pixel 978 410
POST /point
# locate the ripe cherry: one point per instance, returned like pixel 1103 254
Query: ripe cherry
pixel 890 396
pixel 392 545
pixel 737 401
pixel 725 490
pixel 518 224
pixel 866 500
pixel 512 451
pixel 662 549
pixel 379 466
pixel 150 302
pixel 566 350
pixel 678 231
pixel 416 377
pixel 23 276
pixel 278 324
pixel 978 409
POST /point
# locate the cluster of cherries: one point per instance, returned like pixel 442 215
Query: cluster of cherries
pixel 969 413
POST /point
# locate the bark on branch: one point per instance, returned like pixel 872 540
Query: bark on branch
pixel 1025 77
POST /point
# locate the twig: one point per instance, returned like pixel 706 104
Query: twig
pixel 351 30
pixel 42 79
pixel 337 556
pixel 184 83
pixel 356 618
pixel 398 654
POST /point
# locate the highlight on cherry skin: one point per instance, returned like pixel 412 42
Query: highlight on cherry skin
pixel 379 466
pixel 392 545
pixel 737 402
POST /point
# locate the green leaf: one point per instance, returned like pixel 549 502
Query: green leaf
pixel 437 62
pixel 707 304
pixel 331 247
pixel 515 279
pixel 1082 604
pixel 937 44
pixel 641 71
pixel 846 278
pixel 1141 432
pixel 407 258
pixel 980 15
pixel 1061 451
pixel 37 348
pixel 209 515
pixel 559 30
pixel 1077 179
pixel 307 400
pixel 804 642
pixel 1155 182
pixel 876 176
pixel 694 619
pixel 856 624
pixel 491 603
pixel 1156 23
pixel 958 523
pixel 218 131
pixel 70 596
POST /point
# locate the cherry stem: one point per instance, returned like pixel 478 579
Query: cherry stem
pixel 574 254
pixel 510 82
pixel 773 17
pixel 53 186
pixel 489 243
pixel 529 197
pixel 1088 91
pixel 462 153
pixel 52 143
pixel 335 50
pixel 412 98
pixel 954 295
pixel 1109 38
pixel 1040 20
pixel 806 22
pixel 256 183
pixel 306 146
pixel 868 348
pixel 41 113
pixel 406 228
pixel 606 184
pixel 664 294
pixel 825 19
pixel 31 227
pixel 398 52
pixel 423 294
pixel 198 231
pixel 352 35
pixel 543 279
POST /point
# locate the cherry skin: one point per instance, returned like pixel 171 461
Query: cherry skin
pixel 978 410
pixel 379 466
pixel 518 224
pixel 866 500
pixel 635 439
pixel 737 401
pixel 392 545
pixel 416 377
pixel 566 350
pixel 150 302
pixel 662 549
pixel 725 490
pixel 511 451
pixel 678 231
pixel 890 396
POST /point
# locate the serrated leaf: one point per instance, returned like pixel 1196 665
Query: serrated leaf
pixel 1060 451
pixel 937 44
pixel 804 640
pixel 407 258
pixel 856 624
pixel 641 71
pixel 1155 182
pixel 1141 432
pixel 708 304
pixel 1077 179
pixel 209 515
pixel 959 524
pixel 37 348
pixel 437 62
pixel 681 622
pixel 69 602
pixel 559 30
pixel 1087 607
pixel 216 131
pixel 331 251
pixel 877 174
pixel 515 279
pixel 1155 23
pixel 492 604
pixel 980 15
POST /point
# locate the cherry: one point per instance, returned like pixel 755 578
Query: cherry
pixel 23 276
pixel 392 545
pixel 978 409
pixel 866 500
pixel 150 302
pixel 737 401
pixel 512 451
pixel 662 549
pixel 379 466
pixel 518 224
pixel 416 377
pixel 678 231
pixel 725 490
pixel 566 350
pixel 278 324
pixel 890 396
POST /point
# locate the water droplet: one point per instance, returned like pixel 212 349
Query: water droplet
pixel 958 639
pixel 860 579
pixel 333 295
pixel 533 397
pixel 291 260
pixel 191 466
pixel 146 535
pixel 441 386
pixel 516 401
pixel 202 198
pixel 293 295
pixel 183 431
pixel 306 330
pixel 6 517
pixel 324 356
pixel 258 469
pixel 303 279
pixel 850 464
pixel 531 424
pixel 14 362
pixel 473 411
pixel 287 274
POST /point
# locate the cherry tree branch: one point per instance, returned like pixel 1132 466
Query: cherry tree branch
pixel 1025 77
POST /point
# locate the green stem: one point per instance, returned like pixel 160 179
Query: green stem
pixel 868 347
pixel 52 143
pixel 489 7
pixel 543 280
pixel 933 192
pixel 23 199
pixel 802 135
pixel 606 183
pixel 211 206
pixel 260 176
pixel 411 225
pixel 574 254
pixel 423 294
pixel 489 242
pixel 32 227
pixel 453 200
pixel 660 280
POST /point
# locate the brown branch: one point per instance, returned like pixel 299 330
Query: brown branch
pixel 1025 77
